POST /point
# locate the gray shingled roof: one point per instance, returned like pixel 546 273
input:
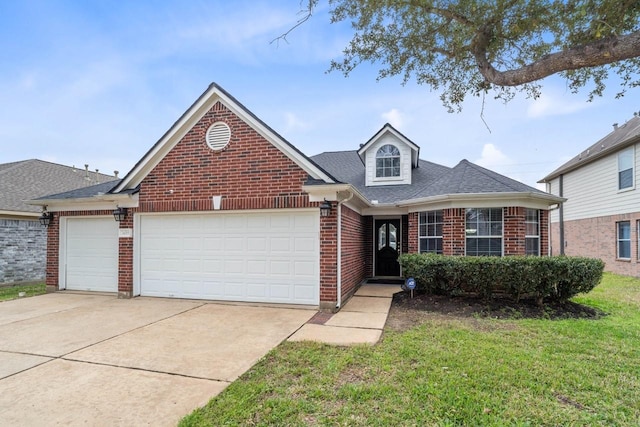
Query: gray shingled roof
pixel 428 180
pixel 31 179
pixel 621 137
pixel 84 192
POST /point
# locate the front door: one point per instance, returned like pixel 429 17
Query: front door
pixel 387 240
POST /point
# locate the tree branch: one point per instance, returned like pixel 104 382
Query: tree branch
pixel 600 52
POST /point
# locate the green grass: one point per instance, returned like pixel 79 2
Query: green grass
pixel 450 371
pixel 13 292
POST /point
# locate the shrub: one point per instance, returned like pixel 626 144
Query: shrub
pixel 555 278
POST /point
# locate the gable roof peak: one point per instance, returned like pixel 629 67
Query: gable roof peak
pixel 212 95
pixel 385 129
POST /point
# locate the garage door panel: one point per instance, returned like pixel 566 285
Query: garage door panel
pixel 246 257
pixel 91 254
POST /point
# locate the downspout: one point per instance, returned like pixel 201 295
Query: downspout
pixel 561 215
pixel 339 269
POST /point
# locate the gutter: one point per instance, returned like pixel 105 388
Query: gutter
pixel 339 266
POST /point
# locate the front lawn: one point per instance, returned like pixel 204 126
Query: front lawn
pixel 13 292
pixel 451 370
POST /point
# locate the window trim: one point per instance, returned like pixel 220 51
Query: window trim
pixel 399 157
pixel 619 240
pixel 501 236
pixel 427 236
pixel 633 169
pixel 638 239
pixel 532 236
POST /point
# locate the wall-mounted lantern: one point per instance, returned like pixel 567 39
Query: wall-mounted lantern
pixel 45 218
pixel 325 208
pixel 119 214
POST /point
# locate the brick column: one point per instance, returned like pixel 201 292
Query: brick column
pixel 544 232
pixel 329 261
pixel 514 230
pixel 453 232
pixel 412 236
pixel 125 259
pixel 53 239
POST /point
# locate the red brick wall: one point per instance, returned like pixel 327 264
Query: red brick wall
pixel 53 247
pixel 414 244
pixel 249 173
pixel 544 232
pixel 514 230
pixel 353 251
pixel 453 231
pixel 596 238
pixel 329 261
pixel 125 260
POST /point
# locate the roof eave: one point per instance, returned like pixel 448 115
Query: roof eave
pixel 610 150
pixel 482 196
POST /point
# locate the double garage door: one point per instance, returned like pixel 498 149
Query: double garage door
pixel 257 257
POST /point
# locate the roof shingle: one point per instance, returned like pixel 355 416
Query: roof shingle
pixel 30 179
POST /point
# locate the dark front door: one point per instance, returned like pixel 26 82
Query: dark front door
pixel 387 240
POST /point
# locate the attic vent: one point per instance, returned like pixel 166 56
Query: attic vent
pixel 218 136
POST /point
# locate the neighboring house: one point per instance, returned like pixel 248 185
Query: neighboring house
pixel 601 217
pixel 22 239
pixel 223 208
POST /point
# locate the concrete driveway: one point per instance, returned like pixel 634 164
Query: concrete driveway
pixel 79 359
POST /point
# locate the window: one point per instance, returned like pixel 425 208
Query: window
pixel 624 240
pixel 388 161
pixel 532 232
pixel 484 231
pixel 625 169
pixel 430 231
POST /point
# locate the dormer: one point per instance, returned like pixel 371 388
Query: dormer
pixel 389 157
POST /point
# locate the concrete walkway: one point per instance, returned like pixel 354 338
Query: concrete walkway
pixel 360 321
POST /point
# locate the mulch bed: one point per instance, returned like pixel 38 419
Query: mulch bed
pixel 406 311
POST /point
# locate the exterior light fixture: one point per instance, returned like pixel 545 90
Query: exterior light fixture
pixel 45 218
pixel 119 214
pixel 325 208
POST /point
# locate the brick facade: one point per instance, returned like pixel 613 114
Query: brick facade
pixel 22 250
pixel 454 236
pixel 353 268
pixel 453 231
pixel 597 238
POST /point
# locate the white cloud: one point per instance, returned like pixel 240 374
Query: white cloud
pixel 492 157
pixel 549 104
pixel 394 117
pixel 294 123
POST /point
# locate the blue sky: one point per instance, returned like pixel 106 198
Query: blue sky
pixel 99 82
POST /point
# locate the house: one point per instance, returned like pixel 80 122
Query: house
pixel 601 217
pixel 224 208
pixel 22 238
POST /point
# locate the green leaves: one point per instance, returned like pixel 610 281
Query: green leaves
pixel 550 278
pixel 472 47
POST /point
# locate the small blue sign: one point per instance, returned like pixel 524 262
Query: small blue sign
pixel 411 283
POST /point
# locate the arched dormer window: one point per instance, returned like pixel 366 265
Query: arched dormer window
pixel 388 161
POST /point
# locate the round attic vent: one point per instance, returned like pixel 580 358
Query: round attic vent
pixel 218 136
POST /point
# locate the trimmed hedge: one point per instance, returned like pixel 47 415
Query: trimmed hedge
pixel 556 278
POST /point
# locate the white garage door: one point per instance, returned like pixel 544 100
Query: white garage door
pixel 259 257
pixel 91 254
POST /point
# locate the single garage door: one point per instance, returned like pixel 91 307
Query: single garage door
pixel 258 257
pixel 91 254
